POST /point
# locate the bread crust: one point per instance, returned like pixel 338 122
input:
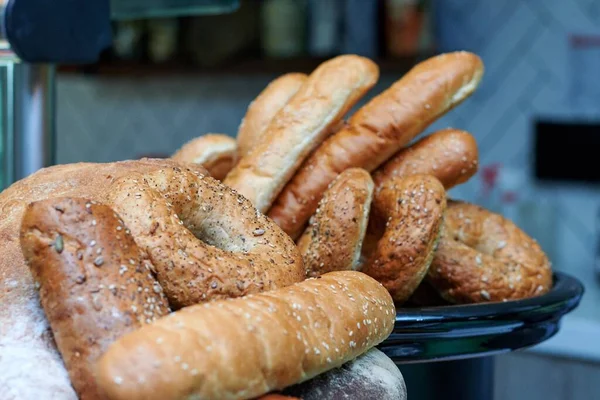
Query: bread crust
pixel 449 154
pixel 411 209
pixel 261 110
pixel 214 151
pixel 334 237
pixel 484 257
pixel 376 131
pixel 372 375
pixel 206 241
pixel 299 127
pixel 243 348
pixel 94 283
pixel 24 331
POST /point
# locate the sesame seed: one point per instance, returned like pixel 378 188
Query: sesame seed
pixel 485 294
pixel 94 222
pixel 317 351
pixel 350 333
pixel 59 244
pixel 501 244
pixel 98 261
pixel 92 243
pixel 352 344
pixel 118 380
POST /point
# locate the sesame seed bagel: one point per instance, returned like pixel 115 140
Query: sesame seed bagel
pixel 214 151
pixel 484 257
pixel 411 210
pixel 242 348
pixel 334 237
pixel 205 240
pixel 94 283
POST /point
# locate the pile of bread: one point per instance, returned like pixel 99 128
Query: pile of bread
pixel 270 264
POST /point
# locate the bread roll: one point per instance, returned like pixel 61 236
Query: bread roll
pixel 28 350
pixel 333 240
pixel 299 127
pixel 214 151
pixel 261 111
pixel 245 347
pixel 372 375
pixel 94 282
pixel 449 154
pixel 378 130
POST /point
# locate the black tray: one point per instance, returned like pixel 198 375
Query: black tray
pixel 466 331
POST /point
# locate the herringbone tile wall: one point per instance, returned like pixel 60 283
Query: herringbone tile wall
pixel 529 74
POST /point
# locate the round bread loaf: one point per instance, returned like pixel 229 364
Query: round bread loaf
pixel 372 375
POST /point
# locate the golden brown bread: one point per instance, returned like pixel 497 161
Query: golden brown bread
pixel 261 110
pixel 334 237
pixel 299 127
pixel 206 241
pixel 449 154
pixel 378 130
pixel 411 208
pixel 214 151
pixel 483 257
pixel 94 282
pixel 245 347
pixel 24 332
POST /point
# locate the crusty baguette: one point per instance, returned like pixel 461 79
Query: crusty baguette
pixel 28 350
pixel 245 347
pixel 299 127
pixel 214 151
pixel 334 237
pixel 449 154
pixel 370 376
pixel 95 284
pixel 377 131
pixel 262 110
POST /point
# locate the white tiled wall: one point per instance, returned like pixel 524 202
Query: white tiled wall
pixel 528 73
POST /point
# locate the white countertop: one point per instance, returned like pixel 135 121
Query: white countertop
pixel 578 338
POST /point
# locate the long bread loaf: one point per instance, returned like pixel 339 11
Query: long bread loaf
pixel 245 347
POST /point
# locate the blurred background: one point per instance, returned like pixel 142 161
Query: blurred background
pixel 536 117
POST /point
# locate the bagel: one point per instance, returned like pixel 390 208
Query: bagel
pixel 214 151
pixel 412 209
pixel 449 154
pixel 261 111
pixel 334 237
pixel 378 130
pixel 94 283
pixel 206 241
pixel 483 257
pixel 330 91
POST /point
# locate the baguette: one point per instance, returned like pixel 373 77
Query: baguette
pixel 261 111
pixel 299 127
pixel 214 151
pixel 94 282
pixel 245 347
pixel 378 130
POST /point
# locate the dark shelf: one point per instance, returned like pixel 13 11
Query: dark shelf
pixel 238 67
